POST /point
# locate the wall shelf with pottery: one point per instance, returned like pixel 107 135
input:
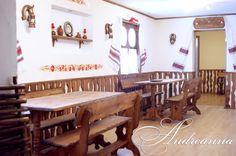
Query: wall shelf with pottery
pixel 79 40
pixel 79 18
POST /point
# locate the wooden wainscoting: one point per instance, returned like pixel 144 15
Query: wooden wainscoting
pixel 108 83
pixel 209 79
pixel 230 90
pixel 100 83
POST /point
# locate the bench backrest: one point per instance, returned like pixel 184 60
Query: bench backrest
pixel 129 102
pixel 191 86
pixel 128 84
pixel 195 87
pixel 48 92
pixel 185 90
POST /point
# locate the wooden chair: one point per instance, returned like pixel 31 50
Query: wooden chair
pixel 103 118
pixel 186 101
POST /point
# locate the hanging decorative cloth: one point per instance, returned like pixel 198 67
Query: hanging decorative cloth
pixel 143 58
pixel 20 60
pixel 114 51
pixel 114 56
pixel 183 53
pixel 20 57
pixel 231 43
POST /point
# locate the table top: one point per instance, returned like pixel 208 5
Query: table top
pixel 159 81
pixel 62 101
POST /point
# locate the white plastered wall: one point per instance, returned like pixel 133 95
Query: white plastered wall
pixel 7 41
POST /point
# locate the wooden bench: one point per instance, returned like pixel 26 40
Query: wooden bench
pixel 186 101
pixel 129 85
pixel 96 118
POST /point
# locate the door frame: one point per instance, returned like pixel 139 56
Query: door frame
pixel 197 52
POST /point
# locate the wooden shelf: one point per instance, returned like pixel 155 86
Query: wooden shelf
pixel 80 40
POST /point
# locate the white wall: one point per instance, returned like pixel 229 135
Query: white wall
pixel 7 40
pixel 165 52
pixel 37 46
pixel 154 37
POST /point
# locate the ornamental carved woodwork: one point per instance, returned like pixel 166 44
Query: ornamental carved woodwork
pixel 209 22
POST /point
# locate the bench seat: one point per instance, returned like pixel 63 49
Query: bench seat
pixel 72 137
pixel 177 98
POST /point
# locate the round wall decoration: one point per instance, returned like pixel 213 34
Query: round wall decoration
pixel 68 29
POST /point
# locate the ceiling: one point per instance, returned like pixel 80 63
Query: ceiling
pixel 159 9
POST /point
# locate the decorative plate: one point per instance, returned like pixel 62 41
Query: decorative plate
pixel 68 29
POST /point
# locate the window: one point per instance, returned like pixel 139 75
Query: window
pixel 129 48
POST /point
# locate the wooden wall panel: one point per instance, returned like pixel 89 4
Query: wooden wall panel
pixel 209 80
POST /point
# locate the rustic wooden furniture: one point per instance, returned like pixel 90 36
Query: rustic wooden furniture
pixel 101 105
pixel 221 83
pixel 52 123
pixel 185 101
pixel 129 85
pixel 14 124
pixel 152 113
pixel 107 83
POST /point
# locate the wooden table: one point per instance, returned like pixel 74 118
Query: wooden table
pixel 152 113
pixel 59 102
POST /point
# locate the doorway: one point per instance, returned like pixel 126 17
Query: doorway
pixel 210 65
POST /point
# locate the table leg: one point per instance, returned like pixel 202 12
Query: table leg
pixel 36 133
pixel 152 112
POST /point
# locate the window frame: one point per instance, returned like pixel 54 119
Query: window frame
pixel 128 25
